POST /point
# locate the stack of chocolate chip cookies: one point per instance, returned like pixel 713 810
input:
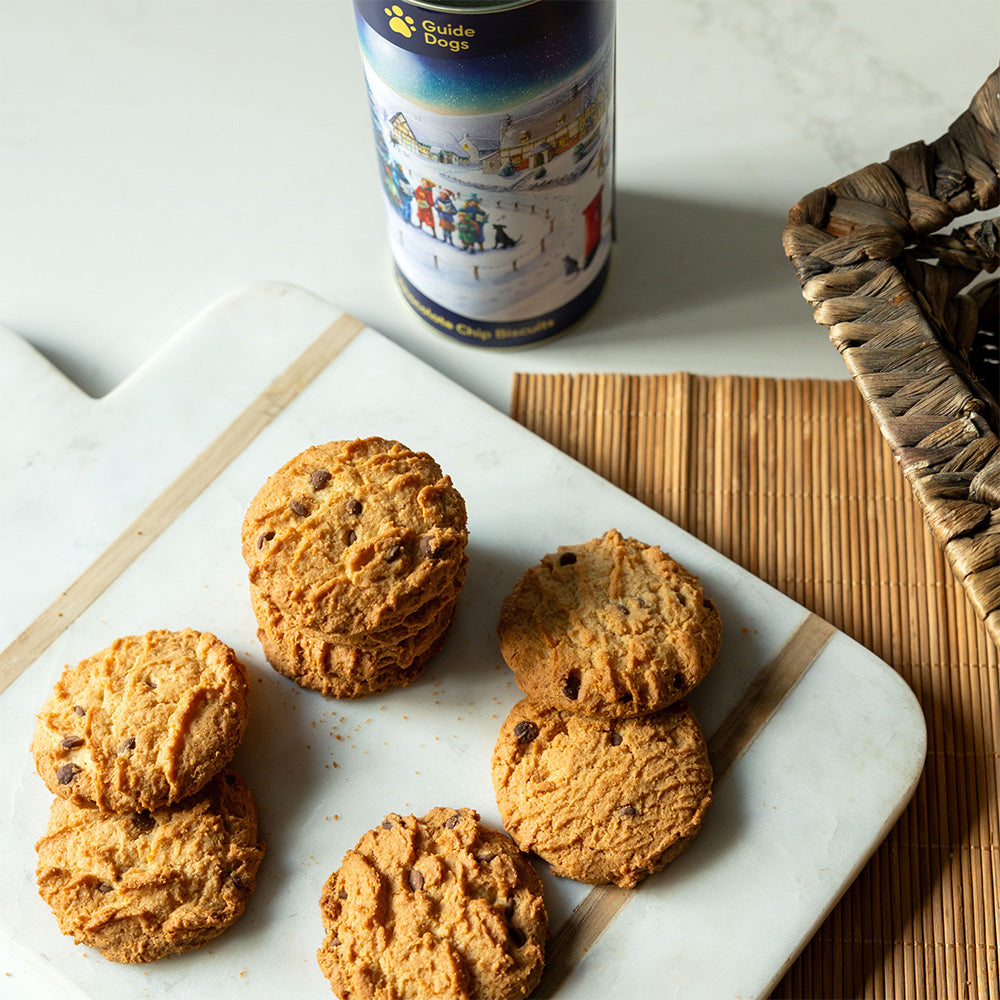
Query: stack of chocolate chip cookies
pixel 151 847
pixel 602 770
pixel 356 556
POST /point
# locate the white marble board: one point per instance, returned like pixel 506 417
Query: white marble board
pixel 793 819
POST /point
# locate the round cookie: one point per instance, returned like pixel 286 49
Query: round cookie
pixel 601 801
pixel 431 613
pixel 437 907
pixel 313 661
pixel 352 536
pixel 142 886
pixel 427 614
pixel 612 627
pixel 143 723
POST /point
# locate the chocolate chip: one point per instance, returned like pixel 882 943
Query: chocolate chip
pixel 72 742
pixel 298 507
pixel 354 507
pixel 678 682
pixel 237 883
pixel 341 894
pixel 571 687
pixel 452 821
pixel 525 731
pixel 386 825
pixel 625 811
pixel 79 709
pixel 517 936
pixel 567 558
pixel 622 608
pixel 66 773
pixel 319 479
pixel 625 699
pixel 616 738
pixel 103 887
pixel 127 745
pixel 335 942
pixel 485 859
pixel 151 683
pixel 266 537
pixel 416 880
pixel 143 822
pixel 430 547
pixel 351 537
pixel 393 552
pixel 641 602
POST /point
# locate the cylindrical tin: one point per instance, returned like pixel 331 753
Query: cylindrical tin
pixel 494 127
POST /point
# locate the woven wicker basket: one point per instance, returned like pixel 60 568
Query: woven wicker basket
pixel 908 309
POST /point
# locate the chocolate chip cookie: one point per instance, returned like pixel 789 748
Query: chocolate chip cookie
pixel 438 907
pixel 144 885
pixel 353 536
pixel 143 723
pixel 313 660
pixel 601 801
pixel 611 627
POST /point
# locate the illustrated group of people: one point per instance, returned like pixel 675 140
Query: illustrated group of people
pixel 440 211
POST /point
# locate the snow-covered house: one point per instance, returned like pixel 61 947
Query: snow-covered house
pixel 533 141
pixel 401 134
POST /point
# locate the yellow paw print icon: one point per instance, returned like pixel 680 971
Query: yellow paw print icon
pixel 399 23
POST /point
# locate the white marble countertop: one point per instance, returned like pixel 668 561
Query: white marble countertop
pixel 157 154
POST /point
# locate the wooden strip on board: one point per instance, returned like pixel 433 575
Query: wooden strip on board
pixel 174 500
pixel 793 480
pixel 767 691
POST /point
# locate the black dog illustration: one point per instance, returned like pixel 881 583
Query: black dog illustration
pixel 500 237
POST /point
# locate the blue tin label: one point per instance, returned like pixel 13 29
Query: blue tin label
pixel 495 141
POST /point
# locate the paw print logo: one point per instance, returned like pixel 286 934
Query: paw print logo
pixel 402 25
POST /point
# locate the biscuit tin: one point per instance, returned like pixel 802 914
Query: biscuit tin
pixel 494 128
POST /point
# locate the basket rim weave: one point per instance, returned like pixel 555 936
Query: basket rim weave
pixel 907 307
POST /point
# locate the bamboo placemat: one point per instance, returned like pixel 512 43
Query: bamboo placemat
pixel 793 480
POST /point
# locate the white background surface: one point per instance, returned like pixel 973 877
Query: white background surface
pixel 156 154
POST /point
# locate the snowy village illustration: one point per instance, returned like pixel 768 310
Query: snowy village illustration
pixel 499 216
